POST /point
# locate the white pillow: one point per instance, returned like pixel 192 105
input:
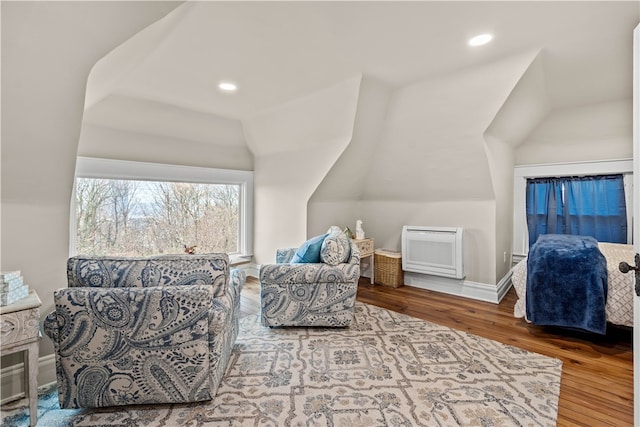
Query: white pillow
pixel 336 249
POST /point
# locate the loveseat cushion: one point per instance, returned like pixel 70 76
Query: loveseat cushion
pixel 336 249
pixel 309 252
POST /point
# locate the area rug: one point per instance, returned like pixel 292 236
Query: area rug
pixel 387 369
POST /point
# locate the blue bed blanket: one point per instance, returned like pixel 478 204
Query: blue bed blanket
pixel 567 283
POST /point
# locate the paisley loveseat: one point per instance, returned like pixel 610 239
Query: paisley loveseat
pixel 301 291
pixel 144 330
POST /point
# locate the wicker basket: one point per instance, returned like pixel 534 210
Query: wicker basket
pixel 388 268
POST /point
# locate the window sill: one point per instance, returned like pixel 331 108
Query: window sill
pixel 236 260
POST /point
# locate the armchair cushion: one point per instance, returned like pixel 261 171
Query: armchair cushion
pixel 336 249
pixel 309 252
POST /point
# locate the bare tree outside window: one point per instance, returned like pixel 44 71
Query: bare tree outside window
pixel 141 218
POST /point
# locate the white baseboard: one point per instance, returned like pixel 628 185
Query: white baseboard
pixel 504 285
pixel 12 384
pixel 460 287
pixel 516 258
pixel 251 269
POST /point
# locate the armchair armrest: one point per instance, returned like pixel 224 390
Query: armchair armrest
pixel 237 280
pixel 285 255
pixel 230 301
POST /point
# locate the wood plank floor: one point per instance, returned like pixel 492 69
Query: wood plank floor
pixel 597 372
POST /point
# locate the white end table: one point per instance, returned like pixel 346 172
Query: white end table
pixel 20 331
pixel 366 248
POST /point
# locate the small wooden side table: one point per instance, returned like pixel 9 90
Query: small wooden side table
pixel 366 248
pixel 20 331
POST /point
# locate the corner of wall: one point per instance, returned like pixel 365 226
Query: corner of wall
pixel 295 145
pixel 524 107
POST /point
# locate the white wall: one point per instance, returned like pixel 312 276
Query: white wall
pixel 322 215
pixel 164 120
pixel 109 143
pixel 383 221
pixel 346 179
pixel 594 132
pixel 432 157
pixel 46 59
pixel 294 146
pixel 109 71
pixel 521 113
pixel 500 155
pixel 432 145
pixel 336 200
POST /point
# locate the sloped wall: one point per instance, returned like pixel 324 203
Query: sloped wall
pixel 336 200
pixel 110 143
pixel 430 164
pixel 45 66
pixel 294 146
pixel 128 128
pixel 523 110
pixel 601 131
pixel 106 73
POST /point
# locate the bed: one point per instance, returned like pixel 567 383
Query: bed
pixel 618 289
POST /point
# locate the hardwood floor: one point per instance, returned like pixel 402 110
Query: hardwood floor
pixel 597 371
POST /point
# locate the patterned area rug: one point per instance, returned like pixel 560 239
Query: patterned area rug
pixel 386 370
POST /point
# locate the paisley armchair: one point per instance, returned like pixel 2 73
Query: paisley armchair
pixel 144 330
pixel 311 294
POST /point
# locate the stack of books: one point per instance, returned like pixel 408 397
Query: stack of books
pixel 12 287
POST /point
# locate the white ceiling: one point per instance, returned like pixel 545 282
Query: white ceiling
pixel 279 51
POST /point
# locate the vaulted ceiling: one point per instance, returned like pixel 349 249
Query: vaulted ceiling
pixel 279 51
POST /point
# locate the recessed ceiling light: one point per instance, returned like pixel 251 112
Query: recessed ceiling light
pixel 227 86
pixel 480 39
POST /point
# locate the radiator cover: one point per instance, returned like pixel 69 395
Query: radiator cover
pixel 433 250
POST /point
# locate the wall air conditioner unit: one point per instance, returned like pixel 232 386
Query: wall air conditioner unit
pixel 433 250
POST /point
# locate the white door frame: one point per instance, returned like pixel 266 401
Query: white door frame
pixel 636 221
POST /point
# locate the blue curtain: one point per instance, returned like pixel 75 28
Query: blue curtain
pixel 595 206
pixel 544 207
pixel 591 206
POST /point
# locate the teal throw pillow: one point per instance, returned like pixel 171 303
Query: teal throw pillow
pixel 309 252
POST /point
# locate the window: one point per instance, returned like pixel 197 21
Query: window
pixel 140 209
pixel 588 206
pixel 522 173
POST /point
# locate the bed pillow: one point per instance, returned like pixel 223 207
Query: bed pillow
pixel 309 252
pixel 336 249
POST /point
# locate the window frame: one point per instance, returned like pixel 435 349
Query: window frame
pixel 98 168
